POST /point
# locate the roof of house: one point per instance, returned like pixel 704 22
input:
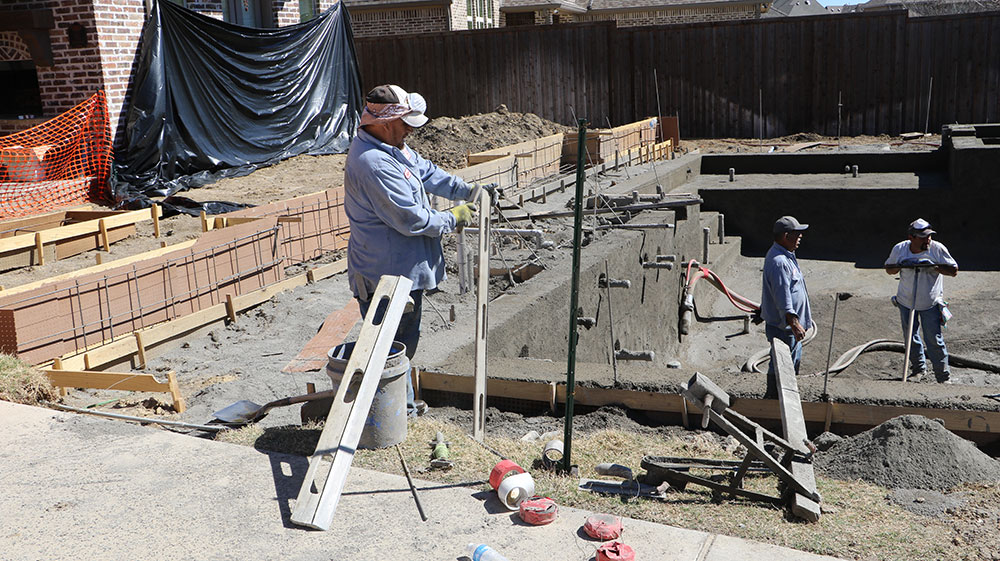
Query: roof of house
pixel 792 8
pixel 606 5
pixel 580 6
pixel 394 3
pixel 573 6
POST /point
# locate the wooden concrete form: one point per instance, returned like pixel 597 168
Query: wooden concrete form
pixel 124 381
pixel 604 144
pixel 794 425
pixel 534 159
pixel 977 425
pixel 156 337
pixel 309 225
pixel 58 235
pixel 56 318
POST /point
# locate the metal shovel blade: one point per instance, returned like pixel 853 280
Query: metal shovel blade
pixel 240 412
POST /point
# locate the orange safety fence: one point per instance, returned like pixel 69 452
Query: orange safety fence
pixel 63 161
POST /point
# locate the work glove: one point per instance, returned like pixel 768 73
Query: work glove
pixel 477 189
pixel 463 214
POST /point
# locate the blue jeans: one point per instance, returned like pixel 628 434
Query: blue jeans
pixel 930 321
pixel 408 333
pixel 772 332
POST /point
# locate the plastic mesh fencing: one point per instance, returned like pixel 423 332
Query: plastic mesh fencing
pixel 61 162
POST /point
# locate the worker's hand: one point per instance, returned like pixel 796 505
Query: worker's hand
pixel 463 214
pixel 477 190
pixel 797 330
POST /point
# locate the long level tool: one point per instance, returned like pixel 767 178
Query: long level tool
pixel 324 480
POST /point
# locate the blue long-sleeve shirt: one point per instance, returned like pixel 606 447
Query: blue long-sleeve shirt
pixel 394 230
pixel 784 290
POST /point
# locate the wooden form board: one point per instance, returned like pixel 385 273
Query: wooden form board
pixel 117 381
pixel 309 225
pixel 63 234
pixel 127 345
pixel 320 492
pixel 794 424
pixel 500 171
pixel 58 318
pixel 603 144
pixel 855 414
pixel 535 159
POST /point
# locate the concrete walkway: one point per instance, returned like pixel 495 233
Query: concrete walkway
pixel 82 487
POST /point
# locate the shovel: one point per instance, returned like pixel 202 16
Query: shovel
pixel 244 412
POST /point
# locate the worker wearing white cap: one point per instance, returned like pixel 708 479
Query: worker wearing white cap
pixel 394 230
pixel 784 301
pixel 920 262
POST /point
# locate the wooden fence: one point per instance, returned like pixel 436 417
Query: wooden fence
pixel 726 79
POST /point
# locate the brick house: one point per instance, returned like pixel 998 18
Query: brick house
pixel 56 53
pixel 371 18
pixel 629 13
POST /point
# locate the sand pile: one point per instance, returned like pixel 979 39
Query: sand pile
pixel 909 452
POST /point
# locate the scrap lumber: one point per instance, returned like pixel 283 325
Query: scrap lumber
pixel 335 328
pixel 117 381
pixel 794 425
pixel 320 493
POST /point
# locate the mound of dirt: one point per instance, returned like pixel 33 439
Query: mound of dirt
pixel 909 452
pixel 446 141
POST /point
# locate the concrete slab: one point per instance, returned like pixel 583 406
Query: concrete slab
pixel 85 487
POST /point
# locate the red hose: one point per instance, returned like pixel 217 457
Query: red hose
pixel 741 302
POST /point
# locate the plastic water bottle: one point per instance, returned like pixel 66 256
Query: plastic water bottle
pixel 483 552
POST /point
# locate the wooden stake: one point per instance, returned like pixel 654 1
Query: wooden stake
pixel 204 221
pixel 104 234
pixel 415 378
pixel 98 257
pixel 39 249
pixel 175 392
pixel 57 365
pixel 86 362
pixel 155 212
pixel 140 349
pixel 829 416
pixel 552 397
pixel 310 387
pixel 230 308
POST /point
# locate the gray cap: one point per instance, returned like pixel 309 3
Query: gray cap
pixel 788 224
pixel 920 228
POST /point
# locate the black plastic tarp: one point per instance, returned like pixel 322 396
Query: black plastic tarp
pixel 211 99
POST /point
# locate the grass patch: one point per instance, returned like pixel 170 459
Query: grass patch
pixel 22 383
pixel 859 523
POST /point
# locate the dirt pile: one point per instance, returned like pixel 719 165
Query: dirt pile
pixel 909 452
pixel 446 141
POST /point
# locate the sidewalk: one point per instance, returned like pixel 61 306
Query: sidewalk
pixel 82 487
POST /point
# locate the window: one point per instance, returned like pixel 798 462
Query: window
pixel 520 18
pixel 20 95
pixel 479 14
pixel 248 13
pixel 307 10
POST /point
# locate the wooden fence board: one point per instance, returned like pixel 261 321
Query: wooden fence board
pixel 712 75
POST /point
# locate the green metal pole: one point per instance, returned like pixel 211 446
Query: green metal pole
pixel 574 296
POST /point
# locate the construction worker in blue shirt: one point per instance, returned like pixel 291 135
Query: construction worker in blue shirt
pixel 784 301
pixel 394 230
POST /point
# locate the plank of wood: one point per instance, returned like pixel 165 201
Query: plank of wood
pixel 482 317
pixel 794 425
pixel 335 327
pixel 100 268
pixel 126 381
pixel 344 423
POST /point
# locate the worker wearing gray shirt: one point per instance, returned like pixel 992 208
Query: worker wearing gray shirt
pixel 784 301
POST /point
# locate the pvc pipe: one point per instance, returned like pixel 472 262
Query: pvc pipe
pixel 535 235
pixel 722 228
pixel 515 489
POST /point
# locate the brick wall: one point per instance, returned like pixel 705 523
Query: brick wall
pixel 287 12
pixel 118 25
pixel 459 15
pixel 369 23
